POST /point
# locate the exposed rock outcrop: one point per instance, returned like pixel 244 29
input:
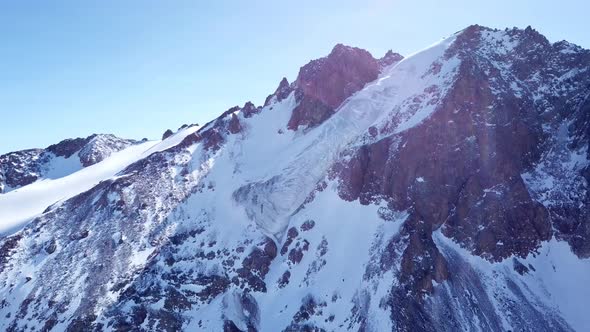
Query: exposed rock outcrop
pixel 323 84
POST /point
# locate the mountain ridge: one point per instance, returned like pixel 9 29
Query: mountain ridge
pixel 20 168
pixel 448 192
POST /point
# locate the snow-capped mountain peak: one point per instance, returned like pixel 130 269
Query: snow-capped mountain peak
pixel 443 191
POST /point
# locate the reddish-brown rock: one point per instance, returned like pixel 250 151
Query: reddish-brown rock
pixel 390 58
pixel 460 169
pixel 323 84
pixel 282 92
pixel 249 110
pixel 234 126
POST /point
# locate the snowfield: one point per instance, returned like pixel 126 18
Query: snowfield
pixel 20 206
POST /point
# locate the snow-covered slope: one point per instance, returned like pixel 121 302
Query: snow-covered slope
pixel 553 278
pixel 406 195
pixel 18 207
pixel 21 168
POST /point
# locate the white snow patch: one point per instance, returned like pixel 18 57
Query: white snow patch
pixel 60 167
pixel 341 224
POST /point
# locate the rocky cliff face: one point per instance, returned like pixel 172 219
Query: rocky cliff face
pixel 445 191
pixel 21 168
pixel 323 84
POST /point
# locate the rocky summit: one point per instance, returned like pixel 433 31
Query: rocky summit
pixel 442 191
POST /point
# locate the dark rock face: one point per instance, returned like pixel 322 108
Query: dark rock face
pixel 249 110
pixel 20 168
pixel 581 126
pixel 390 58
pixel 68 147
pixel 461 168
pixel 303 319
pixel 234 126
pixel 504 206
pixel 333 78
pixel 292 233
pixel 231 122
pixel 213 138
pixel 519 267
pixel 282 92
pixel 323 84
pixel 167 134
pixel 7 247
pixel 307 225
pixel 571 212
pixel 310 112
pixel 418 275
pixel 255 266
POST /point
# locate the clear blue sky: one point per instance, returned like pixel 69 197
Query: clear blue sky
pixel 136 68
